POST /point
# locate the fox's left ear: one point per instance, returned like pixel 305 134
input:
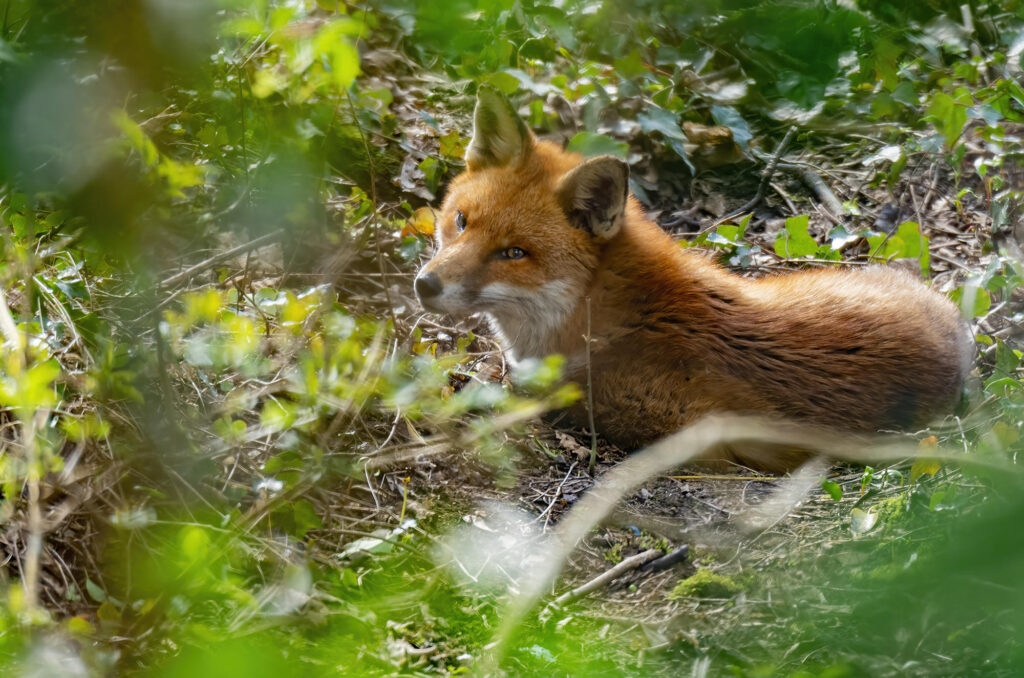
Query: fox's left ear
pixel 500 137
pixel 593 195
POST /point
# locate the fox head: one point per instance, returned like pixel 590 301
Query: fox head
pixel 521 231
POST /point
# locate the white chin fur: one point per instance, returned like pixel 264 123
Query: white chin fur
pixel 528 319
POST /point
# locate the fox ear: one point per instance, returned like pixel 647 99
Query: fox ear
pixel 593 195
pixel 500 137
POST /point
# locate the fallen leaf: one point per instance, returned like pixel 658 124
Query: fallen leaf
pixel 420 223
pixel 925 465
pixel 862 521
pixel 711 146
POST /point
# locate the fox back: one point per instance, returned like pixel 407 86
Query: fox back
pixel 532 235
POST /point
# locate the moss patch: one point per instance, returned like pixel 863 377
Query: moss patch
pixel 890 510
pixel 706 584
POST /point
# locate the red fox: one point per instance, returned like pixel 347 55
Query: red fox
pixel 530 231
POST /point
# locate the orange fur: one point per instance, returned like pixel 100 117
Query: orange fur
pixel 677 337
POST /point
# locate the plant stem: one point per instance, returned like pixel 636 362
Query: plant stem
pixel 590 398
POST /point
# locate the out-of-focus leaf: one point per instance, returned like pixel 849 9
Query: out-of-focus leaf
pixel 666 123
pixel 974 301
pixel 506 83
pixel 924 464
pixel 949 114
pixel 731 118
pixel 591 143
pixel 862 521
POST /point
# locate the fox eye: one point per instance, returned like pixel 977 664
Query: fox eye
pixel 513 253
pixel 460 221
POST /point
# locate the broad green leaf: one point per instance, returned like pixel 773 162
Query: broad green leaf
pixel 973 301
pixel 657 119
pixel 195 544
pixel 305 517
pixel 94 591
pixel 590 144
pixel 832 488
pixel 506 83
pixel 794 241
pixel 949 115
pixel 906 243
pixel 731 118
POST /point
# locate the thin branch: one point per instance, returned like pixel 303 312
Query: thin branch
pixel 608 576
pixel 222 256
pixel 766 177
pixel 590 397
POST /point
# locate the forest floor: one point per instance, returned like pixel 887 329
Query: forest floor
pixel 267 459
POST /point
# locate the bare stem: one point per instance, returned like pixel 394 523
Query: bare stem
pixel 590 398
pixel 34 546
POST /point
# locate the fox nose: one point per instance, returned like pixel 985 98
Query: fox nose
pixel 428 285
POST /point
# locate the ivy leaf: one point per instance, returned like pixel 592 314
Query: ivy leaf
pixel 906 243
pixel 731 118
pixel 794 241
pixel 657 119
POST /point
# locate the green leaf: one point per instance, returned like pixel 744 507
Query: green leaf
pixel 949 115
pixel 631 65
pixel 973 301
pixel 906 243
pixel 94 590
pixel 1007 359
pixel 195 544
pixel 731 118
pixel 305 518
pixel 7 53
pixel 794 241
pixel 832 488
pixel 657 119
pixel 590 143
pixel 506 83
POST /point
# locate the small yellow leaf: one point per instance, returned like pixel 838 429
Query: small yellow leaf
pixel 421 222
pixel 80 626
pixel 1005 434
pixel 108 612
pixel 925 465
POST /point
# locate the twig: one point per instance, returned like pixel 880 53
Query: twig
pixel 376 217
pixel 222 256
pixel 30 450
pixel 7 324
pixel 558 493
pixel 606 577
pixel 590 398
pixel 968 22
pixel 668 560
pixel 766 176
pixel 760 479
pixel 824 193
